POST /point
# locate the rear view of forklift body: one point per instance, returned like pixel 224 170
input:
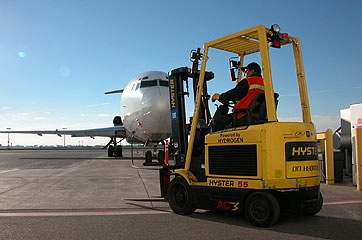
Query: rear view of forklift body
pixel 260 168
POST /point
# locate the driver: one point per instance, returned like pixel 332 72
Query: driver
pixel 244 92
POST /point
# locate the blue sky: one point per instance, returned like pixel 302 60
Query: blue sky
pixel 57 58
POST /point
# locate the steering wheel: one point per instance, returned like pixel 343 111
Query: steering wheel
pixel 229 104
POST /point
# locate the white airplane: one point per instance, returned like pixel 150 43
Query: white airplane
pixel 144 116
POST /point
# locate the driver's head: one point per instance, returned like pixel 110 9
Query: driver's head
pixel 251 69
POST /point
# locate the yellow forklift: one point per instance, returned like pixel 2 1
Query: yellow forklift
pixel 258 166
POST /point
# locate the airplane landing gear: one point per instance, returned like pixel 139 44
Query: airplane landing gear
pixel 161 157
pixel 149 155
pixel 119 151
pixel 110 151
pixel 114 150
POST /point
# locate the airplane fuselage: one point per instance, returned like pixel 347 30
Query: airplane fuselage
pixel 145 108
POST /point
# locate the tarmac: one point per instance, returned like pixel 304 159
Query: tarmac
pixel 83 194
pixel 74 179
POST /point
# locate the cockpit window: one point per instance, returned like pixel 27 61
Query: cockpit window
pixel 163 83
pixel 144 78
pixel 148 83
pixel 137 86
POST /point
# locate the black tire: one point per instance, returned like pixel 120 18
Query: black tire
pixel 180 197
pixel 148 157
pixel 315 208
pixel 110 151
pixel 262 209
pixel 119 151
pixel 161 157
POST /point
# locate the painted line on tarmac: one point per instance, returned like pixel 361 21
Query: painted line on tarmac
pixel 342 202
pixel 11 170
pixel 155 199
pixel 74 214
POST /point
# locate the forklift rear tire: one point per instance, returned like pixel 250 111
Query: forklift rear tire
pixel 148 157
pixel 180 197
pixel 313 210
pixel 262 209
pixel 110 151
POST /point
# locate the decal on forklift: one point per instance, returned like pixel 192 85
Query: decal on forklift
pixel 172 90
pixel 305 168
pixel 226 205
pixel 301 151
pixel 174 115
pixel 231 183
pixel 230 130
pixel 299 169
pixel 232 137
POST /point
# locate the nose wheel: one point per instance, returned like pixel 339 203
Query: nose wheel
pixel 161 157
pixel 148 157
pixel 154 154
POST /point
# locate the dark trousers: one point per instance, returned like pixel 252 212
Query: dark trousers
pixel 221 118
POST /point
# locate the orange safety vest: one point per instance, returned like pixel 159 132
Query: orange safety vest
pixel 256 85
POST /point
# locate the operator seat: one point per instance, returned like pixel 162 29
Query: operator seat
pixel 255 113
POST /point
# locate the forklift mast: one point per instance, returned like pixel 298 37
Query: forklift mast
pixel 180 129
pixel 178 143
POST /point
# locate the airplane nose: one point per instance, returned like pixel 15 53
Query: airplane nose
pixel 156 120
pixel 161 105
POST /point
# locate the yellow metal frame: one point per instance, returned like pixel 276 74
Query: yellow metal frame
pixel 327 147
pixel 243 43
pixel 358 139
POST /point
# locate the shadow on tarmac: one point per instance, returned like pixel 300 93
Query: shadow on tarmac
pixel 83 158
pixel 311 226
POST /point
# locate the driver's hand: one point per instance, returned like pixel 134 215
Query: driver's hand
pixel 215 97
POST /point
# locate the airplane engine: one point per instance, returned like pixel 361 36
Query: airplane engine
pixel 117 120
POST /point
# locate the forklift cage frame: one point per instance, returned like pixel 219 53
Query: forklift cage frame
pixel 244 43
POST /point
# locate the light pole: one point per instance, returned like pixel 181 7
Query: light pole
pixel 64 136
pixel 8 138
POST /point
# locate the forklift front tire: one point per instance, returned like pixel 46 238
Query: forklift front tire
pixel 262 209
pixel 180 197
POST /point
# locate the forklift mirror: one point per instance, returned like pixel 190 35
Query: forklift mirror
pixel 193 55
pixel 234 64
pixel 232 74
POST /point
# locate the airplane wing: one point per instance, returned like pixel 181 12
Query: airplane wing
pixel 115 91
pixel 116 131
